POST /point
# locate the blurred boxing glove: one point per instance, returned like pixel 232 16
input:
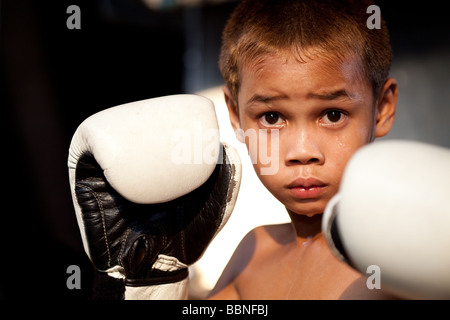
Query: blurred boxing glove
pixel 393 211
pixel 151 185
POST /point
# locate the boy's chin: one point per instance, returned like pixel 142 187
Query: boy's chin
pixel 312 214
pixel 304 212
pixel 307 207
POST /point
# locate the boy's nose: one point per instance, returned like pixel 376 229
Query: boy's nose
pixel 303 148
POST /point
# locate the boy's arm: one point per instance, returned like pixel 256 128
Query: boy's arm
pixel 228 293
pixel 227 287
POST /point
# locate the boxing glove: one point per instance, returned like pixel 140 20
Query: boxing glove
pixel 151 185
pixel 392 212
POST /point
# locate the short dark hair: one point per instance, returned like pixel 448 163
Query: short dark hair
pixel 339 27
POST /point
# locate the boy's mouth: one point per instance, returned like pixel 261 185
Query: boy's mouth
pixel 308 188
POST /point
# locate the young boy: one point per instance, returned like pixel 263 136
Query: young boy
pixel 313 75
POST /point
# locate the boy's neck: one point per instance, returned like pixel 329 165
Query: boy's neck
pixel 306 228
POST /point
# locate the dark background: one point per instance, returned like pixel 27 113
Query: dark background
pixel 52 78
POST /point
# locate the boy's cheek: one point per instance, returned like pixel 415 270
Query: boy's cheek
pixel 338 157
pixel 341 147
pixel 263 149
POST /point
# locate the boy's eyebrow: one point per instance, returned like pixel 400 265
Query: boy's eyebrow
pixel 332 95
pixel 325 95
pixel 265 99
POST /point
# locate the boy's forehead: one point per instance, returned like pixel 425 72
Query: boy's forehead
pixel 318 75
pixel 321 62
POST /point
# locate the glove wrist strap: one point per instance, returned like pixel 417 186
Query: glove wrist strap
pixel 168 291
pixel 167 280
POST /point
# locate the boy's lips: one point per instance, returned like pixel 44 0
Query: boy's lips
pixel 307 188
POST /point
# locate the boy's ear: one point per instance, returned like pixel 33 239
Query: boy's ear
pixel 233 113
pixel 386 106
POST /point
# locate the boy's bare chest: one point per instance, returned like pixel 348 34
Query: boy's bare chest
pixel 313 274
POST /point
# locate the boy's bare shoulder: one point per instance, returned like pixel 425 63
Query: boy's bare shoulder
pixel 272 236
pixel 259 244
pixel 262 240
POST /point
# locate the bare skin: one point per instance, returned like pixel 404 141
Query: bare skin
pixel 323 111
pixel 278 267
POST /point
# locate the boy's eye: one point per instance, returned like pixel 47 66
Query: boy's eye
pixel 271 119
pixel 333 117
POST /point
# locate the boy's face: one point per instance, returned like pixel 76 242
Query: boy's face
pixel 309 118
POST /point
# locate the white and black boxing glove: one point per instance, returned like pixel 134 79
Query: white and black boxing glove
pixel 151 185
pixel 392 211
